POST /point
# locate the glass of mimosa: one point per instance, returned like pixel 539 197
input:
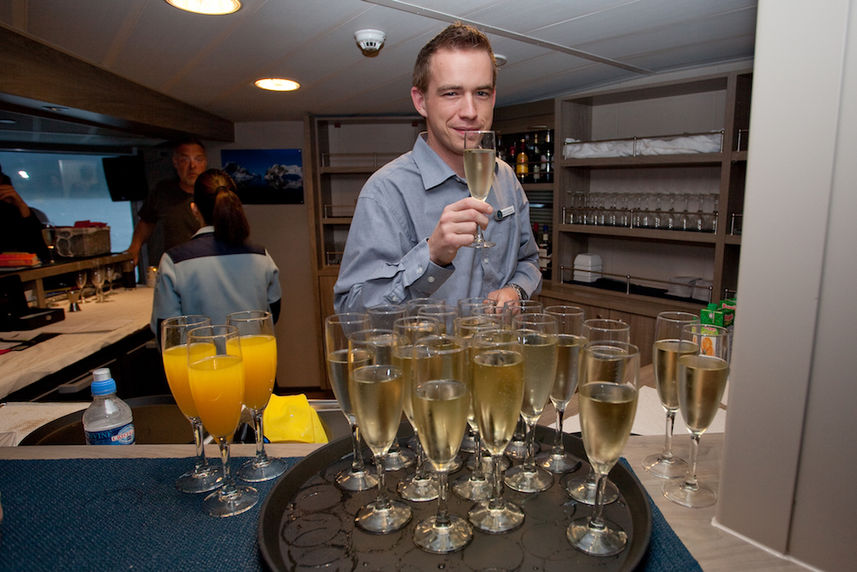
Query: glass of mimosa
pixel 608 402
pixel 480 151
pixel 259 352
pixel 204 477
pixel 701 376
pixel 216 376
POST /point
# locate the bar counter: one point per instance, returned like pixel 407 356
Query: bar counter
pixel 713 548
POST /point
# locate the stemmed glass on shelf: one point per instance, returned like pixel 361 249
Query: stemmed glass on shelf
pixel 340 362
pixel 259 346
pixel 498 391
pixel 608 403
pixel 570 341
pixel 203 477
pixel 702 376
pixel 80 281
pixel 667 349
pixel 376 394
pixel 582 488
pixel 216 375
pixel 537 337
pixel 97 277
pixel 422 485
pixel 480 153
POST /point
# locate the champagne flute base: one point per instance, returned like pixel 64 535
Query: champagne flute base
pixel 419 488
pixel 665 468
pixel 257 470
pixel 239 499
pixel 468 444
pixel 437 538
pixel 558 462
pixel 399 458
pixel 473 489
pixel 201 479
pixel 487 463
pixel 525 480
pixel 606 540
pixel 582 489
pixel 699 496
pixel 377 519
pixel 517 449
pixel 482 244
pixel 355 480
pixel 496 517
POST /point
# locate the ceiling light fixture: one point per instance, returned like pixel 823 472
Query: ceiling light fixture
pixel 210 7
pixel 500 60
pixel 277 84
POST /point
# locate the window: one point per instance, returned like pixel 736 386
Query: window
pixel 68 188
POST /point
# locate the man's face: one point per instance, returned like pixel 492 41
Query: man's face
pixel 189 161
pixel 459 98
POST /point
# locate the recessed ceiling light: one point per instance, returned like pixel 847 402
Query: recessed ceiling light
pixel 55 108
pixel 500 60
pixel 212 7
pixel 5 121
pixel 277 84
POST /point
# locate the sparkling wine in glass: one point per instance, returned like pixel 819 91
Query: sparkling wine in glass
pixel 570 341
pixel 216 375
pixel 582 488
pixel 259 345
pixel 203 477
pixel 337 329
pixel 668 347
pixel 537 337
pixel 608 403
pixel 498 390
pixel 479 158
pixel 702 376
pixel 376 393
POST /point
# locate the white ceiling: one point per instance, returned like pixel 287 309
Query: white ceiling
pixel 211 61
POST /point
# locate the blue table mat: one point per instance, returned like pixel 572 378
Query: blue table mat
pixel 124 514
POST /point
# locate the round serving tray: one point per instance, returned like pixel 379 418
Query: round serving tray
pixel 307 523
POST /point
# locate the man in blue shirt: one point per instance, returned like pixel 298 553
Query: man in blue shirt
pixel 415 214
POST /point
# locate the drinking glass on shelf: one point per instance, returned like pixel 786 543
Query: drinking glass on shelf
pixel 608 402
pixel 440 410
pixel 97 277
pixel 479 156
pixel 337 329
pixel 582 489
pixel 80 281
pixel 259 346
pixel 570 340
pixel 702 377
pixel 668 347
pixel 216 375
pixel 203 477
pixel 537 338
pixel 498 391
pixel 376 393
pixel 422 484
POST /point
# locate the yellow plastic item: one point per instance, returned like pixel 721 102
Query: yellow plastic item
pixel 290 418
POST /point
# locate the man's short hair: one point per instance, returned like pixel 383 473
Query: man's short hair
pixel 186 141
pixel 456 36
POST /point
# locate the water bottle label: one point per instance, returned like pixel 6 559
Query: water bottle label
pixel 117 436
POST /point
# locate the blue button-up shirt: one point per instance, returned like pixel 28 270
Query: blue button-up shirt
pixel 386 258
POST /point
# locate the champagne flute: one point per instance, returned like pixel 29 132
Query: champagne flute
pixel 608 403
pixel 98 281
pixel 383 316
pixel 376 393
pixel 569 343
pixel 479 158
pixel 498 391
pixel 446 315
pixel 413 305
pixel 475 306
pixel 203 477
pixel 80 280
pixel 259 345
pixel 537 336
pixel 582 489
pixel 702 377
pixel 440 410
pixel 668 348
pixel 216 375
pixel 422 485
pixel 337 329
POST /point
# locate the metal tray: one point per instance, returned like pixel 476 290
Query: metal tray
pixel 307 523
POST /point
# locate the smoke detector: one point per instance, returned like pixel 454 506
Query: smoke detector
pixel 370 41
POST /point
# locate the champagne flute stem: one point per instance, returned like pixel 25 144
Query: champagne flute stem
pixel 442 518
pixel 530 461
pixel 260 436
pixel 478 474
pixel 496 502
pixel 420 472
pixel 228 487
pixel 690 481
pixel 558 447
pixel 668 436
pixel 357 464
pixel 382 501
pixel 199 442
pixel 597 520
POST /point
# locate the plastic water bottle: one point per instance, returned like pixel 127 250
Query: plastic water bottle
pixel 108 420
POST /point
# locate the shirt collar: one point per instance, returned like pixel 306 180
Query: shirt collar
pixel 204 230
pixel 433 170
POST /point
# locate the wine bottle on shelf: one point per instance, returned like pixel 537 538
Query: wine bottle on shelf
pixel 547 159
pixel 536 160
pixel 544 243
pixel 522 167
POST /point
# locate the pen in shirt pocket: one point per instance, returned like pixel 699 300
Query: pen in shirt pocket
pixel 500 214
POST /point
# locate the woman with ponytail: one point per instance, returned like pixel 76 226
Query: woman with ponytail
pixel 217 271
